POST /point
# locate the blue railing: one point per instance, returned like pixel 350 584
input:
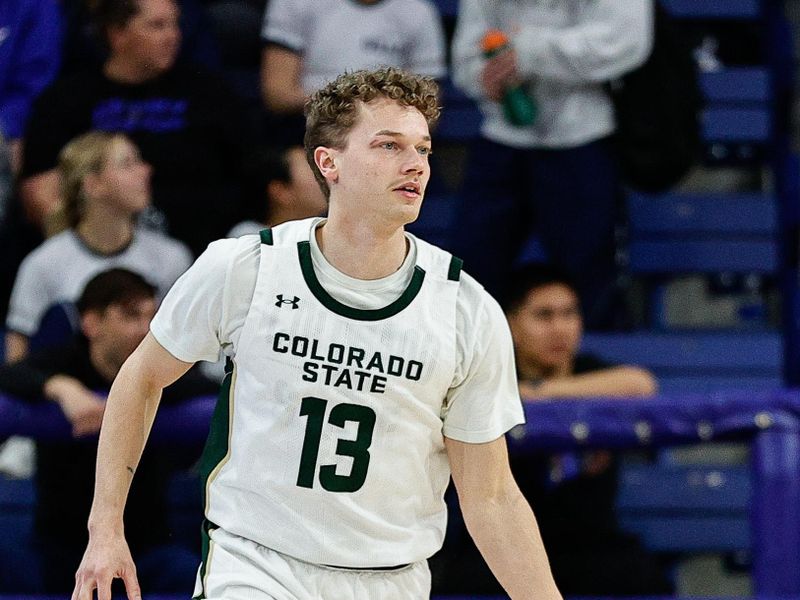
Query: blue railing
pixel 770 421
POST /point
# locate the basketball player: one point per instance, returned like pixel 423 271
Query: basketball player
pixel 365 369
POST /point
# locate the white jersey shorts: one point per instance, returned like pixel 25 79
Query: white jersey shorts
pixel 239 569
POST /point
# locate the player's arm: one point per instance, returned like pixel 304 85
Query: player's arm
pixel 499 519
pixel 130 411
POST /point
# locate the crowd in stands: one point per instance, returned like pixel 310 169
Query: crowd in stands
pixel 128 149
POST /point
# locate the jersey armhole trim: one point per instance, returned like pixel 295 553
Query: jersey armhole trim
pixel 454 272
pixel 266 236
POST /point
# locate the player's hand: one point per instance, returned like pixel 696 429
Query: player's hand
pixel 83 409
pixel 499 73
pixel 106 559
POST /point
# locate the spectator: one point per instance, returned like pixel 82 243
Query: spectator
pixel 115 311
pixel 311 42
pixel 84 46
pixel 30 54
pixel 546 326
pixel 105 185
pixel 557 176
pixel 186 123
pixel 279 186
pixel 574 496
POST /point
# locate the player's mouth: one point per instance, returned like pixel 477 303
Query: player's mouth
pixel 410 189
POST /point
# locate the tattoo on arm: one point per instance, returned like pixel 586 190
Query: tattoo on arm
pixel 131 469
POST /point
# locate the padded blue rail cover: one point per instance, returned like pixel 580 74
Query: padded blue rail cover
pixel 770 420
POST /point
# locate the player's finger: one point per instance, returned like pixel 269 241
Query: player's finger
pixel 131 583
pixel 103 588
pixel 83 588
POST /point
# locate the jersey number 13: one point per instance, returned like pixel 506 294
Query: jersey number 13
pixel 358 449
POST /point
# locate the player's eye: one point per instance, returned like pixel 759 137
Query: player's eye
pixel 424 151
pixel 389 145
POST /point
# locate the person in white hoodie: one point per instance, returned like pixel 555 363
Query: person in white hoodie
pixel 557 176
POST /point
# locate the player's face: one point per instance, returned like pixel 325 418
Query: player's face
pixel 121 327
pixel 547 327
pixel 382 173
pixel 125 178
pixel 152 38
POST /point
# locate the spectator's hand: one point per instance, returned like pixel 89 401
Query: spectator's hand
pixel 106 558
pixel 83 409
pixel 499 73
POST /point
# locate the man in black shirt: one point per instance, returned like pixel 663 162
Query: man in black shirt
pixel 187 124
pixel 115 312
pixel 574 494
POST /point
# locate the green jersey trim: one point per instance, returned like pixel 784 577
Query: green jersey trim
pixel 266 236
pixel 329 302
pixel 454 272
pixel 206 552
pixel 215 454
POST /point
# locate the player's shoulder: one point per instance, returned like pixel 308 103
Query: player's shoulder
pixel 228 253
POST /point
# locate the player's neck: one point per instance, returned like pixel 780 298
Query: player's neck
pixel 361 251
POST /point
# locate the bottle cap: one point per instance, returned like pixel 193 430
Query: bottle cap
pixel 494 39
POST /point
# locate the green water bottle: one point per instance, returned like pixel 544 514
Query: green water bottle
pixel 518 107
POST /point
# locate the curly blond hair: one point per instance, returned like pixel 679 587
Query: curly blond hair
pixel 331 111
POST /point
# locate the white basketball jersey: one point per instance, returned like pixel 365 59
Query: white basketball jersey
pixel 327 443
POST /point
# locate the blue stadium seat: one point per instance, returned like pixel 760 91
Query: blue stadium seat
pixel 686 509
pixel 716 9
pixel 700 362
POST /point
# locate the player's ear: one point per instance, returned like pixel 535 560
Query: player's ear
pixel 324 158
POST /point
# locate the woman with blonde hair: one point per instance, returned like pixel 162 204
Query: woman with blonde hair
pixel 105 185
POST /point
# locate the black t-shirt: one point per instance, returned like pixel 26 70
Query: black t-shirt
pixel 579 510
pixel 187 125
pixel 65 470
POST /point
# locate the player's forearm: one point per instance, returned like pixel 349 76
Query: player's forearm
pixel 129 415
pixel 506 533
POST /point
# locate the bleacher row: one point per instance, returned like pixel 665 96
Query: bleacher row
pixel 709 232
pixel 675 508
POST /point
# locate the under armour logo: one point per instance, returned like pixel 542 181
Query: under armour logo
pixel 295 301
